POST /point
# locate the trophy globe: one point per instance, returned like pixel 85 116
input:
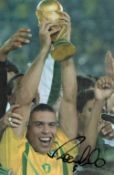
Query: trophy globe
pixel 51 10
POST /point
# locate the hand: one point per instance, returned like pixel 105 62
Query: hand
pixel 20 38
pixel 104 88
pixel 106 129
pixel 65 20
pixel 46 30
pixel 12 119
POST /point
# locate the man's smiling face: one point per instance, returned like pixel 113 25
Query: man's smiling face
pixel 42 130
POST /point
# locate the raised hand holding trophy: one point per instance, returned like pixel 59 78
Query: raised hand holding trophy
pixel 51 10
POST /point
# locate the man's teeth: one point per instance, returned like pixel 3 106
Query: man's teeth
pixel 45 139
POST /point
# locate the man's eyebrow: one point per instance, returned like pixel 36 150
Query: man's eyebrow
pixel 38 121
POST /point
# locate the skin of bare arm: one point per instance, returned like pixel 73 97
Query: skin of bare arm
pixel 103 89
pixel 68 113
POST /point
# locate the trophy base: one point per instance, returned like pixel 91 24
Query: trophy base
pixel 62 49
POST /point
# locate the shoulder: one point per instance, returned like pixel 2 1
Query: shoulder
pixel 65 143
pixel 10 138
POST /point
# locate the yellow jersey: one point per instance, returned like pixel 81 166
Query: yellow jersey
pixel 19 156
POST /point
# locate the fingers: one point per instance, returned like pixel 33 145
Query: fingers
pixel 106 129
pixel 21 37
pixel 64 16
pixel 48 26
pixel 108 133
pixel 105 83
pixel 47 29
pixel 111 135
pixel 55 29
pixel 65 23
pixel 25 30
pixel 104 88
pixel 24 34
pixel 16 116
pixel 64 19
pixel 14 120
pixel 109 64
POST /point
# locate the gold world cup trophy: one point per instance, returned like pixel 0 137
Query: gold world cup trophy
pixel 51 10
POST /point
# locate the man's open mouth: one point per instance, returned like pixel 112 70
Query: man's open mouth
pixel 45 140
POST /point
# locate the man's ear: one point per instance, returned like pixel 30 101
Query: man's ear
pixel 109 64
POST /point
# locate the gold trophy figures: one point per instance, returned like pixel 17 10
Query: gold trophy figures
pixel 51 10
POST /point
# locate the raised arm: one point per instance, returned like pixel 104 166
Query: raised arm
pixel 103 89
pixel 27 88
pixel 17 40
pixel 68 113
pixel 26 91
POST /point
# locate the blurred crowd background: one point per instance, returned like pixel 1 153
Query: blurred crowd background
pixel 92 30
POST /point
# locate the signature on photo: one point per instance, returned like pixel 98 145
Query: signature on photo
pixel 88 157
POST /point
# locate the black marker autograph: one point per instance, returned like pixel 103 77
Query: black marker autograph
pixel 84 159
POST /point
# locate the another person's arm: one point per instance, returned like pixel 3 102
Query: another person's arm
pixel 9 120
pixel 103 89
pixel 17 40
pixel 20 38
